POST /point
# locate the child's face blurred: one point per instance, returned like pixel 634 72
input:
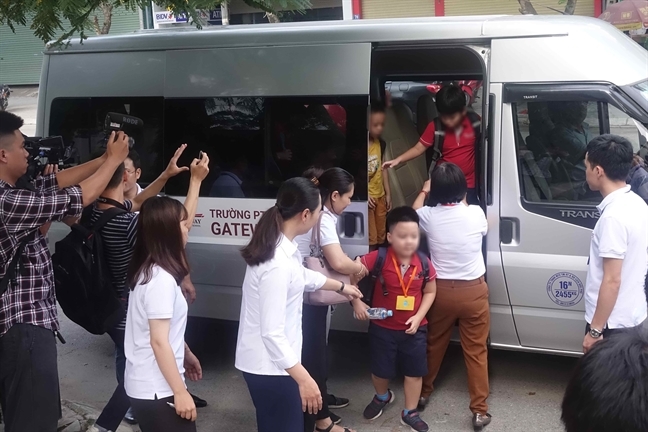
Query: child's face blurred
pixel 377 123
pixel 453 121
pixel 404 238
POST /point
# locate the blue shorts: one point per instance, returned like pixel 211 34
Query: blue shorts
pixel 394 351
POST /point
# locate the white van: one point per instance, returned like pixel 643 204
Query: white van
pixel 267 101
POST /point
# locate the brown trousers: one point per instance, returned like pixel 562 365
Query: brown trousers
pixel 467 302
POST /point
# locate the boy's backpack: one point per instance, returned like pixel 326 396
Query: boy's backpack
pixel 368 285
pixel 83 285
pixel 435 152
pixel 383 147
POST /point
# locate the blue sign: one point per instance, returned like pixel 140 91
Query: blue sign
pixel 565 289
pixel 215 17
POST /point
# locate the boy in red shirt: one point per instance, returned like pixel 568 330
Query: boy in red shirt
pixel 399 341
pixel 459 141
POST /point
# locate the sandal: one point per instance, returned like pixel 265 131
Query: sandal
pixel 330 428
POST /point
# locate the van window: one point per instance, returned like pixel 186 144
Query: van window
pixel 551 143
pixel 257 143
pixel 80 121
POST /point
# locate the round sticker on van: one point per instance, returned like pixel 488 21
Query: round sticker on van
pixel 565 289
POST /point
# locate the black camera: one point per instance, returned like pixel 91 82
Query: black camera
pixel 47 151
pixel 115 122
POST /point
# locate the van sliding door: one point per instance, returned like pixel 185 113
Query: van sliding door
pixel 547 209
pixel 263 115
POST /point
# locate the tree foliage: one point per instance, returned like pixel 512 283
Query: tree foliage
pixel 50 18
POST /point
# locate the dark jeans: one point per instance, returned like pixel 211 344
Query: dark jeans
pixel 118 405
pixel 158 416
pixel 471 197
pixel 29 383
pixel 277 402
pixel 315 357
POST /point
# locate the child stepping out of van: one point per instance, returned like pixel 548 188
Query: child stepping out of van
pixel 403 281
pixel 451 137
pixel 379 192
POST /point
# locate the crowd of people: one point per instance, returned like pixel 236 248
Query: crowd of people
pixel 283 330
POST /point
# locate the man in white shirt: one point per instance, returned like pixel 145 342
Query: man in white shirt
pixel 615 298
pixel 133 171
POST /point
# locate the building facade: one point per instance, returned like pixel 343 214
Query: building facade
pixel 374 9
pixel 21 53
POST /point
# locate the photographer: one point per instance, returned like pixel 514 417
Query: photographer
pixel 29 388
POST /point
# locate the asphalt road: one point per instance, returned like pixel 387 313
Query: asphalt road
pixel 526 389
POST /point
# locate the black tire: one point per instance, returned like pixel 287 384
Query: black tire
pixel 4 103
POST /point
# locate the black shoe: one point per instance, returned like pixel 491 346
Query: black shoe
pixel 414 421
pixel 376 407
pixel 480 421
pixel 130 417
pixel 423 402
pixel 336 402
pixel 200 403
pixel 336 419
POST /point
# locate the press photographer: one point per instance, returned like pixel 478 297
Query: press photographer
pixel 29 388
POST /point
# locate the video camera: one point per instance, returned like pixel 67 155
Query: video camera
pixel 115 122
pixel 46 151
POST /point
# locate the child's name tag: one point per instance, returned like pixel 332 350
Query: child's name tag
pixel 405 303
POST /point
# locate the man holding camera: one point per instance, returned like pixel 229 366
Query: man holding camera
pixel 29 386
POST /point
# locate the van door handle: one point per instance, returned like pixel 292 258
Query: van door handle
pixel 509 230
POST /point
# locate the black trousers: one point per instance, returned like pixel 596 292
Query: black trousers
pixel 315 357
pixel 118 405
pixel 29 383
pixel 277 403
pixel 611 332
pixel 158 416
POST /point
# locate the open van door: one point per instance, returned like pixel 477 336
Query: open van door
pixel 547 209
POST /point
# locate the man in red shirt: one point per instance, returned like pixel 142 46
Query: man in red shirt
pixel 459 137
pixel 400 341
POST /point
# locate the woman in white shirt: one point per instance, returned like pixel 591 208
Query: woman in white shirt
pixel 269 345
pixel 336 188
pixel 156 354
pixel 455 232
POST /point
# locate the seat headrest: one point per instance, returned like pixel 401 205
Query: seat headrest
pixel 426 112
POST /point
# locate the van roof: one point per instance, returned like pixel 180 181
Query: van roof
pixel 468 29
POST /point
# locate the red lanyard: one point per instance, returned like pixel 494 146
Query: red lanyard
pixel 400 277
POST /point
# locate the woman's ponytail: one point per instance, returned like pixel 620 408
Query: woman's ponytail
pixel 295 196
pixel 264 240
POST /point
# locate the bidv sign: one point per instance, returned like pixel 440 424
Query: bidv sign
pixel 166 17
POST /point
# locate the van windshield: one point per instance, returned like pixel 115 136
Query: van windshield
pixel 639 93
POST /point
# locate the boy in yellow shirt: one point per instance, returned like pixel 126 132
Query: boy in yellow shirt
pixel 379 192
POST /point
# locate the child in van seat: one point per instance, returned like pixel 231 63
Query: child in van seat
pixel 399 342
pixel 378 180
pixel 456 132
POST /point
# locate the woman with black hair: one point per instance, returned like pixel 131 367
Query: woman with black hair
pixel 269 344
pixel 336 188
pixel 455 232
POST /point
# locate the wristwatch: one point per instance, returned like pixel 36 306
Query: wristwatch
pixel 341 290
pixel 595 333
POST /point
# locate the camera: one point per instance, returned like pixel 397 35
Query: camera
pixel 115 122
pixel 46 151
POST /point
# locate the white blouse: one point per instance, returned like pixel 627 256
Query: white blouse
pixel 455 234
pixel 270 328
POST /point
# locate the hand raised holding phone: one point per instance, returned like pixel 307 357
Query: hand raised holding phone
pixel 200 167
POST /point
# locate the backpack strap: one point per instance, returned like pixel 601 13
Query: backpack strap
pixel 383 147
pixel 106 217
pixel 425 267
pixel 437 145
pixel 11 269
pixel 376 271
